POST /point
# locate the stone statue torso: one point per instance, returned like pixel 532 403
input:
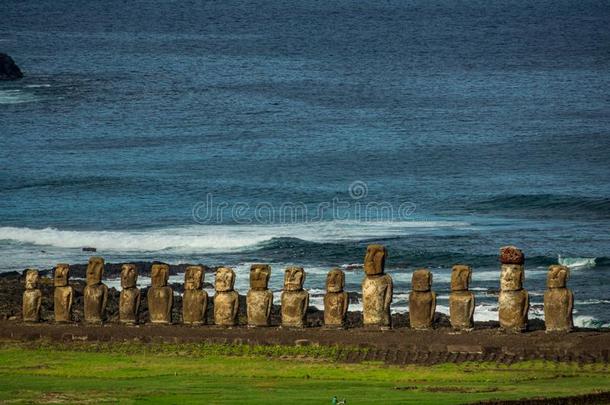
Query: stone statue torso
pixel 335 306
pixel 461 306
pixel 512 311
pixel 258 307
pixel 225 308
pixel 194 304
pixel 95 299
pixel 62 303
pixel 375 307
pixel 160 301
pixel 558 303
pixel 421 309
pixel 31 305
pixel 294 308
pixel 129 303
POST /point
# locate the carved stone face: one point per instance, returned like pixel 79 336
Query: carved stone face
pixel 129 276
pixel 95 270
pixel 259 276
pixel 225 279
pixel 460 277
pixel 374 261
pixel 422 280
pixel 193 278
pixel 511 278
pixel 511 255
pixel 31 279
pixel 558 276
pixel 61 275
pixel 159 274
pixel 294 277
pixel 335 280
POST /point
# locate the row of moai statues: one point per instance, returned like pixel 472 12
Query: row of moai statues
pixel 377 291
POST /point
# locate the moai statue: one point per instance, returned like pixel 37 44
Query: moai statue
pixel 422 300
pixel 32 297
pixel 129 302
pixel 558 300
pixel 335 300
pixel 295 299
pixel 194 299
pixel 63 295
pixel 461 301
pixel 259 299
pixel 160 296
pixel 377 289
pixel 226 299
pixel 514 300
pixel 96 292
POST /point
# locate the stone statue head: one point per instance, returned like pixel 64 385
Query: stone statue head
pixel 61 275
pixel 460 277
pixel 159 274
pixel 129 276
pixel 422 280
pixel 335 280
pixel 374 261
pixel 511 255
pixel 259 276
pixel 558 276
pixel 511 278
pixel 294 278
pixel 95 270
pixel 193 278
pixel 31 279
pixel 225 279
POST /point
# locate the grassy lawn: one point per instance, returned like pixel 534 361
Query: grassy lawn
pixel 198 373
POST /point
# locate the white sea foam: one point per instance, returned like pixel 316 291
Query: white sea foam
pixel 16 97
pixel 212 238
pixel 35 86
pixel 577 262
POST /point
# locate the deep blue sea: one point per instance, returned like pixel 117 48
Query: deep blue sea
pixel 297 132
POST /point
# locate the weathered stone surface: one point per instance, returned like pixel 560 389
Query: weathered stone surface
pixel 374 261
pixel 461 301
pixel 422 301
pixel 32 297
pixel 194 299
pixel 96 292
pixel 511 277
pixel 259 300
pixel 336 300
pixel 226 300
pixel 294 299
pixel 8 68
pixel 511 255
pixel 63 294
pixel 512 311
pixel 129 301
pixel 558 301
pixel 376 299
pixel 160 297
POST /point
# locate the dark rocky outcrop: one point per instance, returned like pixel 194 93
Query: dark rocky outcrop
pixel 8 68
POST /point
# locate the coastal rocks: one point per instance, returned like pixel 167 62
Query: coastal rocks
pixel 8 68
pixel 96 292
pixel 63 294
pixel 226 300
pixel 336 300
pixel 194 299
pixel 259 300
pixel 129 301
pixel 294 299
pixel 461 301
pixel 377 289
pixel 32 297
pixel 422 301
pixel 513 300
pixel 558 301
pixel 160 297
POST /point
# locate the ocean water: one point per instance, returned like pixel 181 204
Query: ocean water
pixel 298 132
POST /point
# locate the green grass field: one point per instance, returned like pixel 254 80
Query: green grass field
pixel 198 373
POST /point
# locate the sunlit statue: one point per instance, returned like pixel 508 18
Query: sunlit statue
pixel 160 296
pixel 226 299
pixel 377 289
pixel 96 292
pixel 514 300
pixel 129 301
pixel 259 300
pixel 63 295
pixel 422 300
pixel 195 299
pixel 558 300
pixel 32 297
pixel 461 301
pixel 295 299
pixel 336 300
